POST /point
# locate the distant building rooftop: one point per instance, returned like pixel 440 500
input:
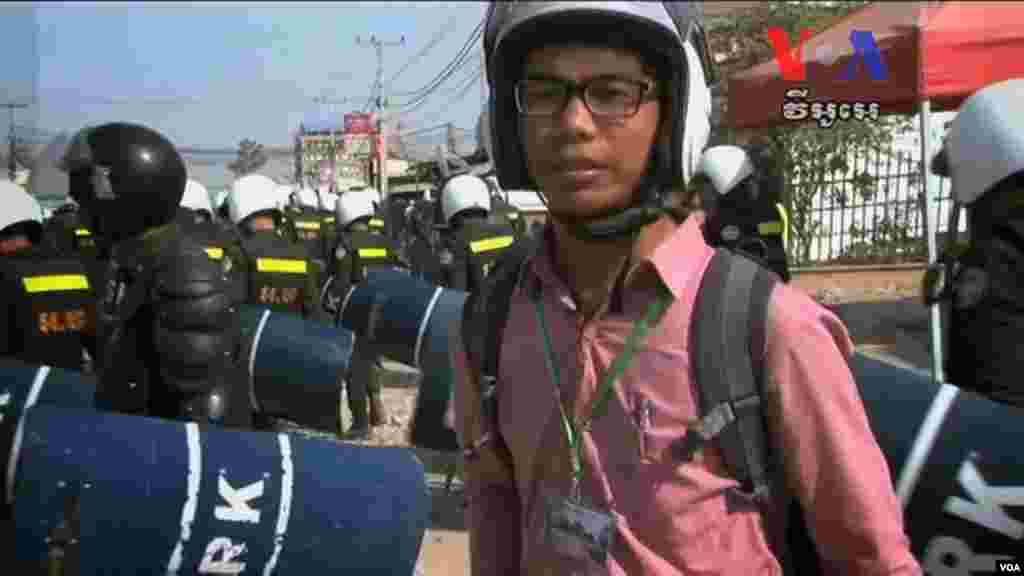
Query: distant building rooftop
pixel 321 127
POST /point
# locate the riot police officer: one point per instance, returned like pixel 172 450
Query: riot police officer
pixel 470 244
pixel 360 248
pixel 979 282
pixel 47 298
pixel 420 250
pixel 306 220
pixel 742 208
pixel 170 341
pixel 279 272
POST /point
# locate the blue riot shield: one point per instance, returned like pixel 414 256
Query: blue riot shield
pixel 295 366
pixel 957 465
pixel 130 495
pixel 411 321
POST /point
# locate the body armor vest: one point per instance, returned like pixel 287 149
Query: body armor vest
pixel 66 233
pixel 753 226
pixel 504 213
pixel 169 345
pixel 222 244
pixel 278 272
pixel 369 249
pixel 309 228
pixel 51 308
pixel 477 247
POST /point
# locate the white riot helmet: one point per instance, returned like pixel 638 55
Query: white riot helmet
pixel 328 201
pixel 725 167
pixel 20 208
pixel 464 192
pixel 197 198
pixel 253 194
pixel 352 206
pixel 671 32
pixel 985 144
pixel 306 198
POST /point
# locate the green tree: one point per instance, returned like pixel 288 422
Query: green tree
pixel 808 155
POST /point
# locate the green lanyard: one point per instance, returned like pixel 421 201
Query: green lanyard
pixel 572 430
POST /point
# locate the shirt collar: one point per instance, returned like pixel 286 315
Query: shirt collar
pixel 674 261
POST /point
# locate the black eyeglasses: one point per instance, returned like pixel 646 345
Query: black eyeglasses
pixel 604 96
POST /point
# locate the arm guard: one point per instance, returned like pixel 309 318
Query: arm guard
pixel 196 335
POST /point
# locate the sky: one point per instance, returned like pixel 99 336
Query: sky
pixel 208 74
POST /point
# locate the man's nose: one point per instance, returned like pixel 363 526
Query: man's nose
pixel 576 117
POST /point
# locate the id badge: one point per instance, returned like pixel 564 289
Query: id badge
pixel 578 532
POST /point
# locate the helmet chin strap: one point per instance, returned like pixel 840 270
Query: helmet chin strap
pixel 624 223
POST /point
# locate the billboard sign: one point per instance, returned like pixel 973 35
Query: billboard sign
pixel 359 123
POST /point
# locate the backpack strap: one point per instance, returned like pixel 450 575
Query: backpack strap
pixel 731 307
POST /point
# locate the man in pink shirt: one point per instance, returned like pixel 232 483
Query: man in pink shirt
pixel 604 107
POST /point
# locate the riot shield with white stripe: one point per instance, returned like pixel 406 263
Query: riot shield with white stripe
pixel 410 321
pixel 958 467
pixel 294 366
pixel 116 494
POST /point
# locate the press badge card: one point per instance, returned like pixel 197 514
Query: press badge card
pixel 578 532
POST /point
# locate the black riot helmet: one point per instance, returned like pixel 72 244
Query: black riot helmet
pixel 127 178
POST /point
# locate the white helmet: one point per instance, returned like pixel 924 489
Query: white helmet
pixel 328 201
pixel 462 193
pixel 352 206
pixel 196 197
pixel 671 30
pixel 20 206
pixel 251 194
pixel 725 167
pixel 307 198
pixel 985 143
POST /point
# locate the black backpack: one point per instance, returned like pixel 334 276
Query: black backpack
pixel 731 307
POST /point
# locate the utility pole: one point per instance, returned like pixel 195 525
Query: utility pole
pixel 12 139
pixel 381 103
pixel 450 138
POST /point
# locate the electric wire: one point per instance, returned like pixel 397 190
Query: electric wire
pixel 447 71
pixel 438 37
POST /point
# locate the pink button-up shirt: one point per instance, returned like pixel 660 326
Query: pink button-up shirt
pixel 672 517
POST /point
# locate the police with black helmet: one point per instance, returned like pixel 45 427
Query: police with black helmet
pixel 742 213
pixel 979 283
pixel 47 298
pixel 471 243
pixel 169 336
pixel 361 247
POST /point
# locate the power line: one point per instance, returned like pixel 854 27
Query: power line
pixel 438 36
pixel 418 101
pixel 458 93
pixel 446 72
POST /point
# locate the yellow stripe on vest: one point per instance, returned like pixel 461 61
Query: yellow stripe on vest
pixel 215 253
pixel 489 244
pixel 329 220
pixel 276 265
pixel 82 232
pixel 306 225
pixel 785 225
pixel 376 223
pixel 56 283
pixel 373 252
pixel 770 228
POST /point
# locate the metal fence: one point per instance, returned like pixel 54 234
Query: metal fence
pixel 871 213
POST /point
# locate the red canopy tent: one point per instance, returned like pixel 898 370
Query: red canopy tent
pixel 937 53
